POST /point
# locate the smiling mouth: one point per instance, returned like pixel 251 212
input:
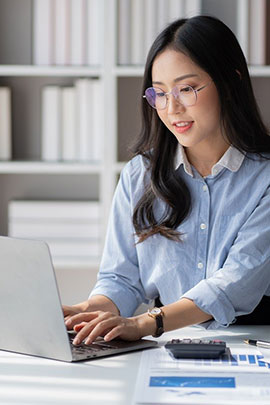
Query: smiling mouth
pixel 183 126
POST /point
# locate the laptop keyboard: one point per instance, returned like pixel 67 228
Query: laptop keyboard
pixel 90 350
pixel 100 348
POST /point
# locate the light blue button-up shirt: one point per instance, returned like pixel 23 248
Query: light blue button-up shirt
pixel 223 261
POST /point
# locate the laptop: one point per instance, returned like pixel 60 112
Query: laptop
pixel 31 316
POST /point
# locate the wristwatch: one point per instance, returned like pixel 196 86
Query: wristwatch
pixel 157 314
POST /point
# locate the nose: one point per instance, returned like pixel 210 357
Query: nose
pixel 174 106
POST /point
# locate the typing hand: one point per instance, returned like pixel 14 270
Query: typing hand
pixel 90 325
pixel 69 310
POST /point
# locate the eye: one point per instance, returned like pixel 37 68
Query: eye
pixel 186 89
pixel 160 94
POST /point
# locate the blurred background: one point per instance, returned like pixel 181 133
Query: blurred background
pixel 70 93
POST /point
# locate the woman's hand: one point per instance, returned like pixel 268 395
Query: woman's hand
pixel 90 325
pixel 91 322
pixel 96 303
pixel 70 311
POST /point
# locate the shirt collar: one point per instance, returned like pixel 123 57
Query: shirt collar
pixel 231 160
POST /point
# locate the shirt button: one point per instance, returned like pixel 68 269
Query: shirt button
pixel 205 188
pixel 200 265
pixel 203 226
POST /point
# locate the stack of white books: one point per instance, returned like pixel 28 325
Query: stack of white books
pixel 72 229
pixel 71 126
pixel 5 123
pixel 67 32
pixel 259 12
pixel 139 22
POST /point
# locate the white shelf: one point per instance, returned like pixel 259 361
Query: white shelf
pixel 138 71
pixel 73 71
pixel 30 70
pixel 49 168
pixel 126 71
pixel 118 167
pixel 259 71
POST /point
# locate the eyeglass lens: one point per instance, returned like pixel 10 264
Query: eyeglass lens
pixel 186 95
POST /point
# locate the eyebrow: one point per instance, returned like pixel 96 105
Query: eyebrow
pixel 179 78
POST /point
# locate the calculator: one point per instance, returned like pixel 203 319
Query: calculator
pixel 196 348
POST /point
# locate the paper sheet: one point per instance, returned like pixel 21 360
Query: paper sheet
pixel 239 378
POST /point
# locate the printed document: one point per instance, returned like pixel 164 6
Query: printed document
pixel 239 377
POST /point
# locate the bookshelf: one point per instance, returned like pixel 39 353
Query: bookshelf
pixel 25 176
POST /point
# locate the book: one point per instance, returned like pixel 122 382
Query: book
pixel 72 229
pixel 162 14
pixel 124 31
pixel 176 9
pixel 62 20
pixel 151 27
pixel 257 32
pixel 51 123
pixel 60 210
pixel 96 136
pixel 137 32
pixel 69 136
pixel 43 32
pixel 5 123
pixel 84 103
pixel 78 32
pixel 95 14
pixel 192 8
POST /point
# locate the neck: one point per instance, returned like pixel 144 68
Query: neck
pixel 203 159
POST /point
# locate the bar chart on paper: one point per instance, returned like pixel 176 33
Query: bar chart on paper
pixel 232 359
pixel 238 377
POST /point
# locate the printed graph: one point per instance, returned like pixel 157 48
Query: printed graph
pixel 192 382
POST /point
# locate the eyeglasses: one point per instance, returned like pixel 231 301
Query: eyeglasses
pixel 183 93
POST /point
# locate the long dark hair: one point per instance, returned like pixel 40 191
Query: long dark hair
pixel 214 48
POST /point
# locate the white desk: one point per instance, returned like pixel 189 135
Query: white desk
pixel 111 381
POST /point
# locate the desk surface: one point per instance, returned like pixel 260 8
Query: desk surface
pixel 111 381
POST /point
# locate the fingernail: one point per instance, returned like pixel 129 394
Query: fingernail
pixel 76 341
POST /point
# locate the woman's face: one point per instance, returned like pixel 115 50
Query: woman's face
pixel 196 126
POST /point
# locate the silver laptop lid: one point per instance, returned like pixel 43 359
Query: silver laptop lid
pixel 31 316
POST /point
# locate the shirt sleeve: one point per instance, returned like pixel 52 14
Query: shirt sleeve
pixel 119 277
pixel 237 287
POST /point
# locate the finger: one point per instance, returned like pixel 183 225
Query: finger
pixel 114 333
pixel 67 310
pixel 104 321
pixel 81 317
pixel 66 318
pixel 66 323
pixel 83 333
pixel 101 328
pixel 79 326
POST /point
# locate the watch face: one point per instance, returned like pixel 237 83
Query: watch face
pixel 156 311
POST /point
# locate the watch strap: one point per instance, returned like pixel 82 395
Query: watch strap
pixel 160 328
pixel 159 321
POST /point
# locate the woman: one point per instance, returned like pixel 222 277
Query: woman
pixel 190 216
